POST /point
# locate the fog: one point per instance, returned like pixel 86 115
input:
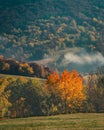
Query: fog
pixel 84 58
pixel 79 59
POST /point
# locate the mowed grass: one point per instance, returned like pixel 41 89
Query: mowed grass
pixel 60 122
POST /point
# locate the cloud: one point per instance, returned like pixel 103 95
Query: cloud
pixel 84 57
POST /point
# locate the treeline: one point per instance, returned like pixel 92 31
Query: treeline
pixel 65 93
pixel 10 66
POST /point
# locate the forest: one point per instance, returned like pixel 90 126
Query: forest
pixel 64 37
pixel 13 67
pixel 49 26
pixel 58 94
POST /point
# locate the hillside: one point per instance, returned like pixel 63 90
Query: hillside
pixel 13 67
pixel 36 30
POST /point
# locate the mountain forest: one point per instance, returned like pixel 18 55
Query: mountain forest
pixel 51 57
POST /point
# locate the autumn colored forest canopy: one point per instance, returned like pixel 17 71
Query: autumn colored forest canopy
pixel 13 67
pixel 58 94
pixel 32 30
pixel 67 89
pixel 60 34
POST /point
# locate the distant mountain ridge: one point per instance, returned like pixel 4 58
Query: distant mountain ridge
pixel 32 30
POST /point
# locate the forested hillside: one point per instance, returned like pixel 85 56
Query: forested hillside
pixel 37 29
pixel 13 67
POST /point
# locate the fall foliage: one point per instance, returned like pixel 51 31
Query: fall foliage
pixel 58 94
pixel 10 66
pixel 68 87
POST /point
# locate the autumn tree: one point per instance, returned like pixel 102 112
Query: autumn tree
pixel 27 98
pixel 100 93
pixel 68 89
pixel 25 69
pixel 4 95
pixel 54 100
pixel 16 97
pixel 95 93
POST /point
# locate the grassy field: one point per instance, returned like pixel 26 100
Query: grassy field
pixel 61 122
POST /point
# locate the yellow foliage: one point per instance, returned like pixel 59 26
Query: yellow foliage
pixel 68 86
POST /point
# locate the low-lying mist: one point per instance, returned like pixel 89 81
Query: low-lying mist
pixel 79 59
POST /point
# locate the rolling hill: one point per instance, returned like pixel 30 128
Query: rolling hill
pixel 59 33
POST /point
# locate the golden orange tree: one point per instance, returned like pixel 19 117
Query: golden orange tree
pixel 68 87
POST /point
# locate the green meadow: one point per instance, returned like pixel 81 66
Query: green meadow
pixel 79 121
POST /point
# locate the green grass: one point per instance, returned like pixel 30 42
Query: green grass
pixel 61 122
